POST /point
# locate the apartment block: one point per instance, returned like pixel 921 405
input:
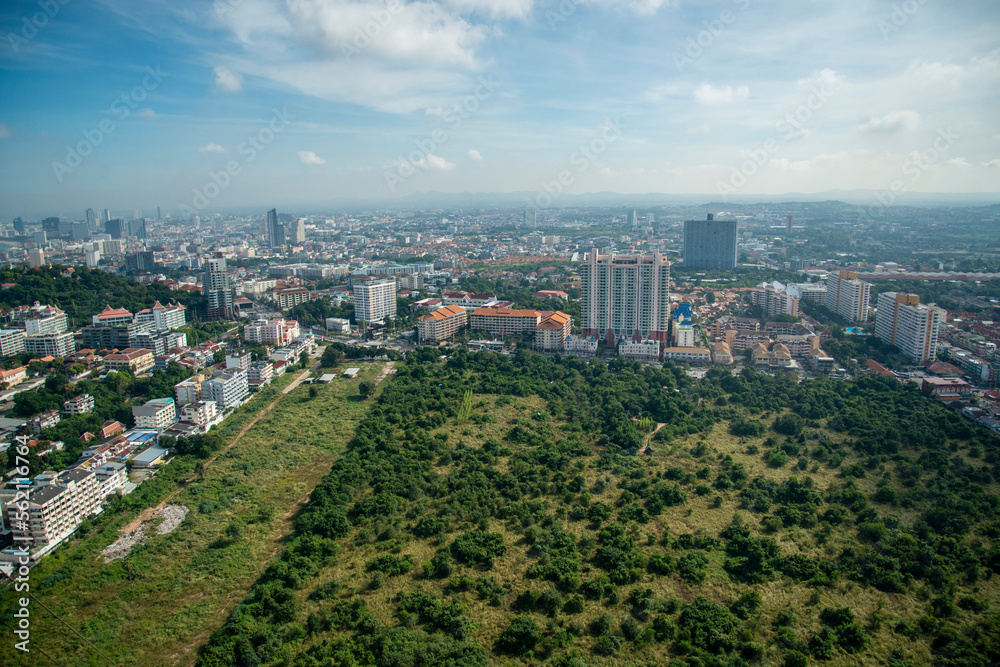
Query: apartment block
pixel 260 374
pixel 504 321
pixel 442 323
pixel 625 296
pixel 551 332
pixel 278 332
pixel 847 296
pixel 55 507
pixel 775 300
pixel 903 321
pixel 50 345
pixel 53 323
pixel 164 318
pixel 45 420
pixel 240 360
pixel 808 292
pixel 189 390
pixel 202 413
pixel 227 389
pixel 374 301
pixel 292 296
pixel 158 413
pixel 134 360
pixel 11 342
pixel 580 346
pixel 79 405
pixel 710 243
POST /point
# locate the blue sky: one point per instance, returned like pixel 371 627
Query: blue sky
pixel 736 96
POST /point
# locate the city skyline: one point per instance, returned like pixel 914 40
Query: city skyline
pixel 242 102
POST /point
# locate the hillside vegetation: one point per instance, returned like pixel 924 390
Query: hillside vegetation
pixel 492 510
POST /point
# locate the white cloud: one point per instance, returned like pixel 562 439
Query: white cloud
pixel 146 113
pixel 310 158
pixel 436 111
pixel 958 162
pixel 798 135
pixel 710 96
pixel 436 163
pixel 823 77
pixel 992 163
pixel 211 148
pixel 227 80
pixel 474 155
pixel 698 129
pixel 493 8
pixel 894 121
pixel 4 131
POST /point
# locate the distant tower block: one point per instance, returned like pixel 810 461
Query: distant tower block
pixel 788 225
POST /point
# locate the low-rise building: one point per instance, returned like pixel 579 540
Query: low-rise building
pixel 777 357
pixel 721 354
pixel 79 405
pixel 504 321
pixel 260 374
pixel 643 350
pixel 13 376
pixel 156 414
pixel 441 324
pixel 690 355
pixel 278 332
pixel 45 420
pixel 338 324
pixel 203 413
pixel 134 360
pixel 946 389
pixel 580 346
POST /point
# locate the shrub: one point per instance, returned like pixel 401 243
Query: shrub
pixel 519 638
pixel 478 547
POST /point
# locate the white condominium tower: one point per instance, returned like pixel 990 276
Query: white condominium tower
pixel 374 301
pixel 909 325
pixel 626 295
pixel 847 296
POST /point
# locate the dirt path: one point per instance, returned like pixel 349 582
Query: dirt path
pixel 645 443
pixel 384 372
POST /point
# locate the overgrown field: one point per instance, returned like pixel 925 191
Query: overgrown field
pixel 169 595
pixel 492 510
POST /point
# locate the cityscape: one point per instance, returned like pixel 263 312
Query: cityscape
pixel 685 394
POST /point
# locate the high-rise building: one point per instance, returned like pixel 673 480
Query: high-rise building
pixel 625 296
pixel 218 290
pixel 909 325
pixel 275 230
pixel 633 220
pixel 92 220
pixel 775 299
pixel 137 228
pixel 51 225
pixel 530 218
pixel 300 231
pixel 788 225
pixel 116 228
pixel 847 296
pixel 139 262
pixel 107 215
pixel 36 257
pixel 710 243
pixel 18 225
pixel 158 215
pixel 375 300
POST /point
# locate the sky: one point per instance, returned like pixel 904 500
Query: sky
pixel 200 106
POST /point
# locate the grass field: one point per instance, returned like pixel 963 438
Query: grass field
pixel 186 583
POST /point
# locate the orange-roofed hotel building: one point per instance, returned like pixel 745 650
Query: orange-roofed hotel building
pixel 442 323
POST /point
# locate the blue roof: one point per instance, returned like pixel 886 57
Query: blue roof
pixel 684 310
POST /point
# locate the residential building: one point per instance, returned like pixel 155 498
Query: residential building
pixel 11 342
pixel 503 321
pixel 50 345
pixel 710 243
pixel 260 374
pixel 157 341
pixel 468 300
pixel 642 350
pixel 134 360
pixel 157 414
pixel 228 389
pixel 275 230
pixel 777 357
pixel 442 323
pixel 290 297
pixel 903 321
pixel 739 340
pixel 271 332
pixel 551 332
pixel 45 420
pixel 299 236
pixel 580 346
pixel 721 353
pixel 375 300
pixel 172 316
pixel 36 257
pixel 338 324
pixel 112 477
pixel 55 508
pixel 14 376
pixel 79 405
pixel 550 294
pixel 189 390
pixel 847 296
pixel 51 323
pixel 119 337
pixel 239 360
pixel 689 355
pixel 202 413
pixel 775 299
pixel 625 295
pixel 218 289
pixel 725 322
pixel 808 292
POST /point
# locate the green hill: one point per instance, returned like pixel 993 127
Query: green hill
pixel 492 510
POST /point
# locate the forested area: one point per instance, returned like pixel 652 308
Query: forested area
pixel 493 508
pixel 87 291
